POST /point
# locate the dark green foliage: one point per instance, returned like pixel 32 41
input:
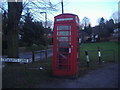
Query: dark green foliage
pixel 102 22
pixel 50 41
pixel 106 27
pixel 35 47
pixel 32 32
pixel 102 30
pixel 110 25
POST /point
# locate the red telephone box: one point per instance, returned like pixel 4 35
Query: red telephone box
pixel 66 50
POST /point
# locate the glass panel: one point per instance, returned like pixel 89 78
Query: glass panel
pixel 63 49
pixel 62 56
pixel 63 27
pixel 64 38
pixel 63 44
pixel 63 59
pixel 64 33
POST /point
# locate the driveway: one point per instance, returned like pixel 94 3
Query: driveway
pixel 106 77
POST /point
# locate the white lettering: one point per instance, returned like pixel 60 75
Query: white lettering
pixel 64 19
pixel 14 60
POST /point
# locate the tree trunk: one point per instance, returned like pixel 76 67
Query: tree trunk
pixel 13 42
pixel 14 15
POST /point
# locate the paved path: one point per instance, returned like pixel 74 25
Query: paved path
pixel 106 77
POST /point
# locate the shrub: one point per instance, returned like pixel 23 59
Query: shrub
pixel 35 47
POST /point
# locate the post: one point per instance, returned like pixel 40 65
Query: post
pixel 46 54
pixel 45 37
pixel 99 55
pixel 87 58
pixel 40 56
pixel 33 56
pixel 62 6
pixel 45 20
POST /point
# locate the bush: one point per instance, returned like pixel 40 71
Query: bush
pixel 50 41
pixel 35 47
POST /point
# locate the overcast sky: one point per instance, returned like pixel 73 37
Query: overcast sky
pixel 93 9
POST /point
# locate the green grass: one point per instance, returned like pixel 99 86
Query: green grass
pixel 102 45
pixel 28 75
pixel 109 51
pixel 17 75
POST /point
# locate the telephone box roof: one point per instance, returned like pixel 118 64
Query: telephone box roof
pixel 65 14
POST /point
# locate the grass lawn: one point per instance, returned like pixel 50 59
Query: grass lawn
pixel 109 51
pixel 15 75
pixel 29 75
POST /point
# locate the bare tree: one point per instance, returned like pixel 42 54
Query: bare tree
pixel 116 16
pixel 85 22
pixel 15 9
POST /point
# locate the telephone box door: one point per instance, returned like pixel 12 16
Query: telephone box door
pixel 63 49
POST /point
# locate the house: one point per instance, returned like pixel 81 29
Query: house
pixel 116 35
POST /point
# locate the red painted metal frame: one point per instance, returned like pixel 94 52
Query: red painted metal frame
pixel 72 61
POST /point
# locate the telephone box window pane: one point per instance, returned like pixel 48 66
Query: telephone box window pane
pixel 63 27
pixel 63 56
pixel 64 33
pixel 63 44
pixel 64 38
pixel 63 50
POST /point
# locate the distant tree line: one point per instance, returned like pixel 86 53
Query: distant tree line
pixel 103 30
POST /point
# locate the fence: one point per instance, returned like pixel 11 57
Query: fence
pixel 43 54
pixel 37 55
pixel 29 56
pixel 106 56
